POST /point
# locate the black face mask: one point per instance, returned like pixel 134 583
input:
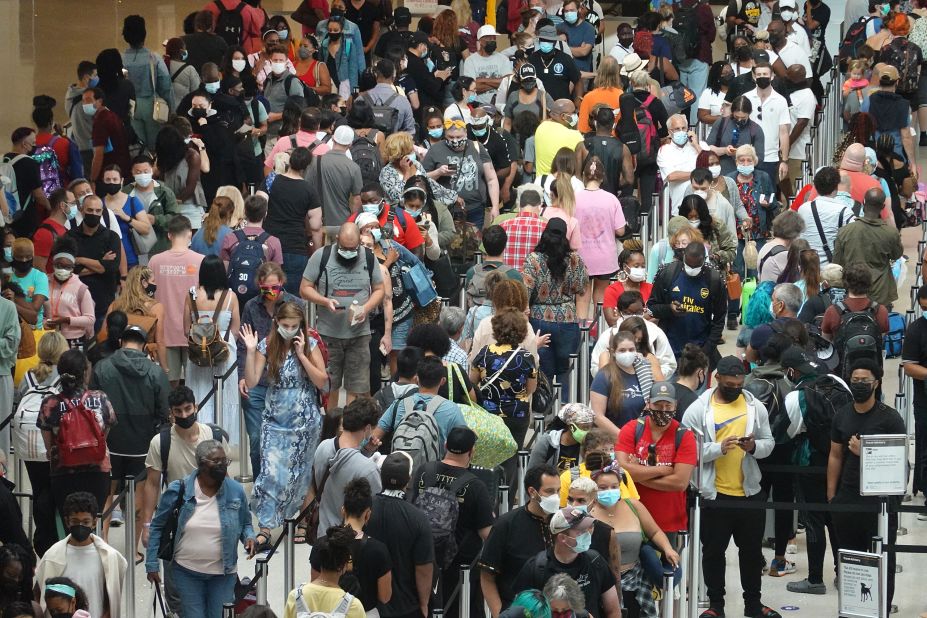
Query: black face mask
pixel 861 392
pixel 111 188
pixel 626 43
pixel 92 221
pixel 763 82
pixel 150 289
pixel 529 85
pixel 22 266
pixel 334 36
pixel 186 422
pixel 679 253
pixel 776 40
pixel 490 47
pixel 741 124
pixel 730 393
pixel 80 533
pixel 726 80
pixel 198 113
pixel 218 472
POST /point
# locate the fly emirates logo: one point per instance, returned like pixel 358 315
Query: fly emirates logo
pixel 689 305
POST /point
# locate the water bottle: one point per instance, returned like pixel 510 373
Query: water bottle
pixel 356 312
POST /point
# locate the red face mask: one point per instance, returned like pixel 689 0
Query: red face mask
pixel 564 614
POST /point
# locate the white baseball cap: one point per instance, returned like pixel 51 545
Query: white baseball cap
pixel 487 30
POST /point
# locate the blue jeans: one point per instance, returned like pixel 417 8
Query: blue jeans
pixel 694 74
pixel 477 216
pixel 294 265
pixel 254 410
pixel 203 595
pixel 555 358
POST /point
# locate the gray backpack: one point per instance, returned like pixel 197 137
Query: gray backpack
pixel 417 433
pixel 476 289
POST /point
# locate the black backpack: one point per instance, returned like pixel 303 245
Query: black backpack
pixel 631 207
pixel 218 434
pixel 441 507
pixel 685 22
pixel 385 115
pixel 823 396
pixel 366 154
pixel 310 97
pixel 244 261
pixel 772 395
pixel 857 337
pixel 230 25
pixel 627 126
pixel 639 431
pixel 852 41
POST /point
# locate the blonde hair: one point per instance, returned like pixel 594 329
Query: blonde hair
pixel 746 149
pixel 463 11
pixel 562 193
pixel 609 74
pixel 693 234
pixel 857 64
pixel 585 485
pixel 22 247
pixel 397 146
pixel 49 349
pixel 134 300
pixel 219 213
pixel 234 194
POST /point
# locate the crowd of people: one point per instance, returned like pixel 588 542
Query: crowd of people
pixel 370 250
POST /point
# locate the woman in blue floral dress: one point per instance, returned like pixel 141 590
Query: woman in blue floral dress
pixel 292 420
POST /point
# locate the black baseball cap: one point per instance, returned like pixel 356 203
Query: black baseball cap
pixel 135 332
pixel 396 470
pixel 418 37
pixel 731 366
pixel 799 360
pixel 402 16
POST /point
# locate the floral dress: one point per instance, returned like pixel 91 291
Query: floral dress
pixel 290 430
pixel 393 184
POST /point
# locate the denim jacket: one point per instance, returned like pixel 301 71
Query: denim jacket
pixel 233 513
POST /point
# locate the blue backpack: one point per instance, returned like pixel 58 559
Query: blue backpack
pixel 895 336
pixel 245 259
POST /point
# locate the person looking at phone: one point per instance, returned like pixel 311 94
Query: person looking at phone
pixel 395 223
pixel 734 426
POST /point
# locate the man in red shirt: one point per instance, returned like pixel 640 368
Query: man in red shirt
pixel 524 230
pixel 43 117
pixel 660 457
pixel 63 207
pixel 857 279
pixel 108 137
pixel 405 230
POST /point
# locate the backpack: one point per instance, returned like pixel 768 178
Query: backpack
pixel 639 432
pixel 27 437
pixel 385 115
pixel 75 163
pixel 857 337
pixel 417 433
pixel 442 509
pixel 341 610
pixel 631 207
pixel 772 395
pixel 206 347
pixel 852 41
pixel 685 23
pixel 164 437
pixel 49 168
pixel 10 188
pixel 647 131
pixel 366 154
pixel 476 289
pixel 823 395
pixel 80 439
pixel 230 25
pixel 310 96
pixel 894 338
pixel 244 261
pixel 326 256
pixel 463 246
pixel 907 58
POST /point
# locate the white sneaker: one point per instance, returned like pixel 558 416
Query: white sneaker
pixel 116 520
pixel 791 548
pixel 922 517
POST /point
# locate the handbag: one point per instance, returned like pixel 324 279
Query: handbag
pixel 168 534
pixel 160 111
pixel 496 443
pixel 446 281
pixel 751 255
pixel 416 280
pixel 675 96
pixel 734 286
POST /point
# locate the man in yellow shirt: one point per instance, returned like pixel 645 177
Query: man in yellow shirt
pixel 559 131
pixel 734 427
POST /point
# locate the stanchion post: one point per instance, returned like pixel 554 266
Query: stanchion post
pixel 584 370
pixel 573 378
pixel 261 592
pixel 478 255
pixel 313 312
pixel 558 391
pixel 908 317
pixel 503 499
pixel 462 298
pixel 667 601
pixel 600 319
pixel 99 530
pixel 537 420
pixel 695 522
pixel 682 538
pixel 465 590
pixel 130 540
pixel 217 402
pixel 522 469
pixel 437 613
pixel 921 244
pixel 228 610
pixel 645 240
pixel 289 556
pixel 244 455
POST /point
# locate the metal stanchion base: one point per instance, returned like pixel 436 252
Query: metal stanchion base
pixel 902 531
pixel 245 479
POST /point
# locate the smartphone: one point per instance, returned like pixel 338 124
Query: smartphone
pixel 452 167
pixel 743 440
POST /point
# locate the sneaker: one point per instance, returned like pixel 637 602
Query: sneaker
pixel 791 548
pixel 763 612
pixel 116 520
pixel 779 568
pixel 806 587
pixel 923 140
pixel 712 612
pixel 732 322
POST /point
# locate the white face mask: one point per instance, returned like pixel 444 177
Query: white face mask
pixel 695 222
pixel 693 272
pixel 287 333
pixel 715 170
pixel 637 274
pixel 701 194
pixel 549 504
pixel 63 274
pixel 239 64
pixel 278 67
pixel 625 359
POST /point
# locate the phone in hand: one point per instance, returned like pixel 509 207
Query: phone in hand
pixel 452 167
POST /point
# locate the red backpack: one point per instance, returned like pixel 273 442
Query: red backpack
pixel 80 439
pixel 647 129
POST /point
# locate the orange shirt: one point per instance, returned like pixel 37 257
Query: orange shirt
pixel 608 96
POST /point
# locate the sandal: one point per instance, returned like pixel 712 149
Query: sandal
pixel 262 546
pixel 300 538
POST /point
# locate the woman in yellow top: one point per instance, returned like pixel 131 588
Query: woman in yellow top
pixel 323 594
pixel 597 441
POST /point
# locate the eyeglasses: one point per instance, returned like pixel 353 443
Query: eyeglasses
pixel 455 123
pixel 220 462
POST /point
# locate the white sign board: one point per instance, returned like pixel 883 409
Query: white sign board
pixel 883 462
pixel 422 7
pixel 860 591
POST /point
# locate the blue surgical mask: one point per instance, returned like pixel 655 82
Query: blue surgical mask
pixel 184 55
pixel 435 133
pixel 94 81
pixel 348 254
pixel 546 47
pixel 608 497
pixel 680 138
pixel 413 213
pixel 583 543
pixel 377 233
pixel 571 17
pixel 411 156
pixel 745 170
pixel 283 34
pixel 72 211
pixel 373 209
pixel 471 98
pixel 8 254
pixel 212 87
pixel 480 132
pixel 580 507
pixel 89 109
pixel 430 65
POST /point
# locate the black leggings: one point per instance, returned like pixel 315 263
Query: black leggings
pixel 92 481
pixel 43 511
pixel 781 486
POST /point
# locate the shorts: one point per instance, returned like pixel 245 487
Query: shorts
pixel 606 277
pixel 177 360
pixel 921 96
pixel 124 466
pixel 349 361
pixel 401 332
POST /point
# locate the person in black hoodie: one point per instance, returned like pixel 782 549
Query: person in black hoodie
pixel 431 84
pixel 218 137
pixel 137 389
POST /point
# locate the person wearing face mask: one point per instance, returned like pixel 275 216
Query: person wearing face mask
pixel 866 416
pixel 280 84
pixel 87 560
pixel 487 67
pixel 701 183
pixel 109 139
pixel 64 598
pixel 71 307
pixel 571 554
pixel 580 34
pixel 632 276
pixel 676 159
pixel 210 526
pixel 691 302
pixel 403 227
pixel 158 199
pixel 622 385
pixel 32 281
pixel 63 207
pixel 137 389
pixel 558 131
pixel 733 131
pixel 81 123
pixel 559 446
pixel 711 100
pixel 128 211
pixel 140 63
pixel 771 112
pixel 517 536
pixel 735 426
pixel 795 32
pixel 137 301
pixel 556 69
pixel 719 240
pixel 625 43
pixel 527 94
pixel 184 76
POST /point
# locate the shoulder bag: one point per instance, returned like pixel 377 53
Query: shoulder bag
pixel 160 111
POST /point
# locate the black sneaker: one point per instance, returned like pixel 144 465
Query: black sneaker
pixel 763 612
pixel 712 612
pixel 732 322
pixel 923 140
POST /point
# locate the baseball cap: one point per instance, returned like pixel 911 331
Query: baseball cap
pixel 396 470
pixel 487 30
pixel 527 71
pixel 418 37
pixel 796 358
pixel 135 332
pixel 731 366
pixel 547 33
pixel 888 75
pixel 569 518
pixel 344 135
pixel 663 391
pixel 576 414
pixel 460 440
pixel 402 16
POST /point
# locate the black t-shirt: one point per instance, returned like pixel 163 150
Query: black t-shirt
pixel 749 11
pixel 685 397
pixel 497 149
pixel 569 456
pixel 290 201
pixel 475 510
pixel 407 536
pixel 203 47
pixel 590 570
pixel 610 150
pixel 847 423
pixel 516 537
pixel 393 38
pixel 370 560
pixel 914 350
pixel 102 286
pixel 820 14
pixel 657 111
pixel 368 13
pixel 557 71
pixel 27 177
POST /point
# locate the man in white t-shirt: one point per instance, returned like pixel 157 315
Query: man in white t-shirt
pixel 486 66
pixel 789 52
pixel 625 44
pixel 795 32
pixel 771 111
pixel 801 113
pixel 832 214
pixel 676 159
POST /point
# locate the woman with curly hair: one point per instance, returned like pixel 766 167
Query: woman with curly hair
pixel 137 301
pixel 448 47
pixel 401 164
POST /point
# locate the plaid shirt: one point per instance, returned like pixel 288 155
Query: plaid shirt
pixel 457 355
pixel 524 231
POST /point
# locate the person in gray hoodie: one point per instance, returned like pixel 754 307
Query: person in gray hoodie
pixel 734 428
pixel 138 390
pixel 560 445
pixel 81 123
pixel 339 460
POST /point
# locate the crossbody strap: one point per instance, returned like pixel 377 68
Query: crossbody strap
pixel 817 223
pixel 496 375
